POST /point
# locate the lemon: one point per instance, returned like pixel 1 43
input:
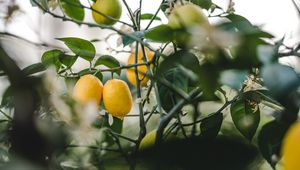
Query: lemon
pixel 88 88
pixel 291 148
pixel 184 18
pixel 149 140
pixel 117 98
pixel 142 70
pixel 112 8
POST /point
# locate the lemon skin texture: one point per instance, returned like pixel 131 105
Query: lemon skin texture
pixel 87 89
pixel 185 17
pixel 112 8
pixel 142 70
pixel 117 98
pixel 291 148
pixel 148 141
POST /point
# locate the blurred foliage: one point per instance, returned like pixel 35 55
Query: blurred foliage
pixel 232 69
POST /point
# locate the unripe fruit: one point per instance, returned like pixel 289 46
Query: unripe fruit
pixel 112 8
pixel 184 18
pixel 142 70
pixel 291 148
pixel 88 88
pixel 187 16
pixel 117 98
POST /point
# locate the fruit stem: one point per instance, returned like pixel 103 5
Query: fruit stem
pixel 138 83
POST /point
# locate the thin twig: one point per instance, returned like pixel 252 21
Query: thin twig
pixel 154 16
pixel 93 147
pixel 6 115
pixel 166 119
pixel 218 111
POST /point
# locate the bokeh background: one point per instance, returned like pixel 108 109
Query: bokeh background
pixel 23 33
pixel 278 17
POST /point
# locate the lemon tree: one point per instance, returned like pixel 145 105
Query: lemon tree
pixel 216 88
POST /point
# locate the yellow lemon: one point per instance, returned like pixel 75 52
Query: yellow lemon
pixel 186 17
pixel 149 140
pixel 142 70
pixel 111 8
pixel 88 88
pixel 291 148
pixel 117 98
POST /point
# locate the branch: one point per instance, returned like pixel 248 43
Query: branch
pixel 97 26
pixel 93 147
pixel 154 16
pixel 218 111
pixel 6 115
pixel 166 119
pixel 139 95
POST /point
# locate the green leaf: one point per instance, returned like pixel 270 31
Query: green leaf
pixel 233 78
pixel 109 62
pixel 266 54
pixel 149 17
pixel 99 75
pixel 180 58
pixel 42 3
pixel 164 6
pixel 270 140
pixel 51 57
pixel 167 97
pixel 246 116
pixel 73 9
pixel 161 33
pixel 117 125
pixel 94 72
pixel 206 4
pixel 245 26
pixel 34 68
pixel 68 60
pixel 7 98
pixel 211 125
pixel 80 47
pixel 266 98
pixel 280 79
pixel 128 40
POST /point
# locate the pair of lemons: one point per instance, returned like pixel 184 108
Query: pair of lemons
pixel 115 93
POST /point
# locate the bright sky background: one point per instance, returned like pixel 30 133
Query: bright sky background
pixel 276 16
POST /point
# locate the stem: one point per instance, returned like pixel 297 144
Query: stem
pixel 152 75
pixel 6 115
pixel 130 14
pixel 154 16
pixel 139 95
pixel 166 119
pixel 93 147
pixel 127 158
pixel 195 117
pixel 181 127
pixel 218 111
pixel 151 113
pixel 123 137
